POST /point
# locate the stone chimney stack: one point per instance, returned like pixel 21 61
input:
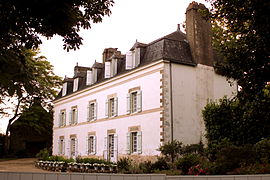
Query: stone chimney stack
pixel 199 34
pixel 107 53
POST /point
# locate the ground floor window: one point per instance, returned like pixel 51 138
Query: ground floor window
pixel 91 141
pixel 134 142
pixel 61 145
pixel 73 146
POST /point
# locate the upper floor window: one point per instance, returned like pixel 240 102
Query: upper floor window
pixel 75 84
pixel 62 118
pixel 73 119
pixel 92 111
pixel 111 106
pixel 134 101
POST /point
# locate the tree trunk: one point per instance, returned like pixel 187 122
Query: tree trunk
pixel 7 137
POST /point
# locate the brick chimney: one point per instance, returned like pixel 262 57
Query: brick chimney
pixel 199 34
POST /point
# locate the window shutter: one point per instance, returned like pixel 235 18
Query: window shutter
pixel 87 145
pixel 89 78
pixel 64 121
pixel 88 112
pixel 107 69
pixel 139 137
pixel 59 147
pixel 76 116
pixel 94 75
pixel 128 103
pixel 95 110
pixel 60 119
pixel 75 84
pixel 94 145
pixel 129 64
pixel 76 147
pixel 107 108
pixel 139 101
pixel 115 106
pixel 137 57
pixel 105 154
pixel 115 147
pixel 70 117
pixel 68 148
pixel 128 143
pixel 64 89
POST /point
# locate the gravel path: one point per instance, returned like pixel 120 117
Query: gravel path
pixel 20 165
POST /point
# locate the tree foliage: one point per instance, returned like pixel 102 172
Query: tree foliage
pixel 237 122
pixel 242 37
pixel 23 22
pixel 171 149
pixel 37 81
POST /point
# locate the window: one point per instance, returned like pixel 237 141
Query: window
pixel 111 145
pixel 61 146
pixel 73 119
pixel 62 118
pixel 92 111
pixel 73 146
pixel 91 145
pixel 111 107
pixel 134 142
pixel 134 101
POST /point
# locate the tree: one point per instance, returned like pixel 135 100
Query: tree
pixel 22 23
pixel 242 37
pixel 39 81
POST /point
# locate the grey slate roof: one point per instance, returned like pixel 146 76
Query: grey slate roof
pixel 173 47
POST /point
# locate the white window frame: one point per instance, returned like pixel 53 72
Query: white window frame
pixel 131 104
pixel 73 146
pixel 92 111
pixel 61 145
pixel 111 107
pixel 131 144
pixel 62 118
pixel 91 145
pixel 73 119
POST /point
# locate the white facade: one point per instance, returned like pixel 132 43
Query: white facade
pixel 164 86
pixel 147 79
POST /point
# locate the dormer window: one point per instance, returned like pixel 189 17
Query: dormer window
pixel 64 90
pixel 133 58
pixel 91 76
pixel 75 84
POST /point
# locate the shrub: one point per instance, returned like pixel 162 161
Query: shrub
pixel 43 154
pixel 124 164
pixel 160 164
pixel 193 149
pixel 187 161
pixel 197 170
pixel 92 160
pixel 146 167
pixel 171 149
pixel 262 149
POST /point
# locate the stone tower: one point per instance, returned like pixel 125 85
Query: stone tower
pixel 199 34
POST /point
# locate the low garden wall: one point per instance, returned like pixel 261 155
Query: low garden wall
pixel 95 176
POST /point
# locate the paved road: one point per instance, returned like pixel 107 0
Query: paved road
pixel 20 165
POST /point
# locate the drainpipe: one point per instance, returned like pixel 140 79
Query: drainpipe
pixel 171 93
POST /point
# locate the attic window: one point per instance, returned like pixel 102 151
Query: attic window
pixel 64 90
pixel 75 84
pixel 133 58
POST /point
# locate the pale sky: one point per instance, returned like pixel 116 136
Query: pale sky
pixel 144 20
